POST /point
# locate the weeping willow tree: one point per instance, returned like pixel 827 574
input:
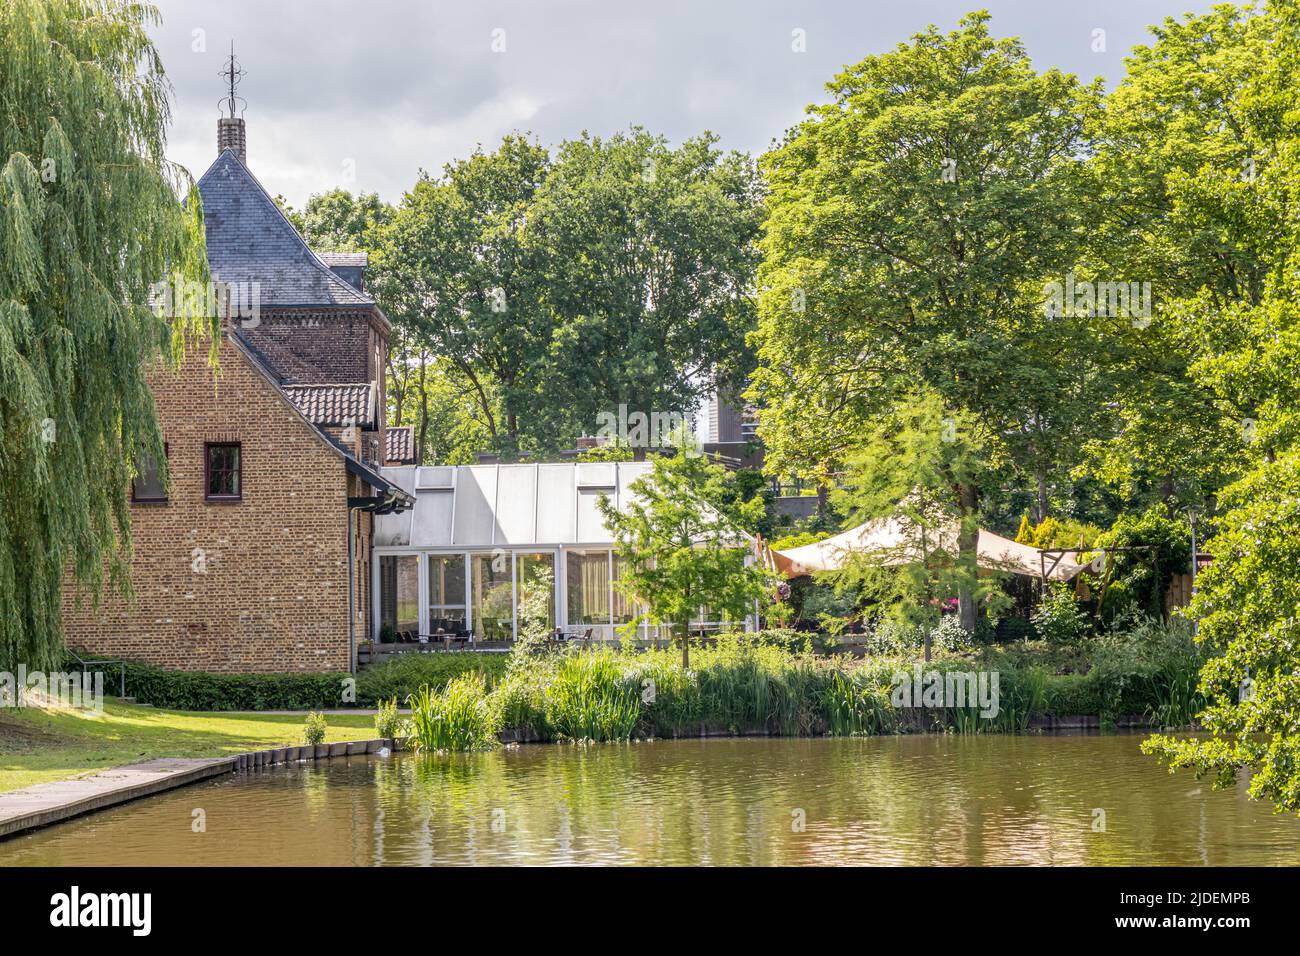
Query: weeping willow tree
pixel 90 222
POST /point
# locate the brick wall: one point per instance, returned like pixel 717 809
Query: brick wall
pixel 254 586
pixel 317 345
pixel 329 345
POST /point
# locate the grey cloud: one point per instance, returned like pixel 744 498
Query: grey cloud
pixel 394 86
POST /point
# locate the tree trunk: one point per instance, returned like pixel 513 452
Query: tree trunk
pixel 423 420
pixel 1042 498
pixel 968 550
pixel 926 642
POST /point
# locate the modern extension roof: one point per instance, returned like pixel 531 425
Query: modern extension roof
pixel 250 240
pixel 335 405
pixel 489 506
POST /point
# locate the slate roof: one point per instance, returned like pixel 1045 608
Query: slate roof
pixel 250 240
pixel 353 260
pixel 401 446
pixel 335 404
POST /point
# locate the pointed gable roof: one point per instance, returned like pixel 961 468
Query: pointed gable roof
pixel 250 240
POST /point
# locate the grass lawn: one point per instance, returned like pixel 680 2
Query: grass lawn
pixel 41 745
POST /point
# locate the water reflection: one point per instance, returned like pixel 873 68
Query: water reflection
pixel 896 800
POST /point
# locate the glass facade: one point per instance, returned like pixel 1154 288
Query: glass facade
pixel 492 597
pixel 483 593
pixel 588 586
pixel 446 593
pixel 625 608
pixel 399 595
pixel 531 569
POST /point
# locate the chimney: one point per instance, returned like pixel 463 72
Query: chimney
pixel 230 135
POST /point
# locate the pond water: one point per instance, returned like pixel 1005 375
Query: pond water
pixel 922 800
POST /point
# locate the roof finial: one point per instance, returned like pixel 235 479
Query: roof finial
pixel 233 73
pixel 230 129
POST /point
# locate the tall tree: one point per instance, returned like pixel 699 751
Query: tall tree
pixel 337 221
pixel 650 255
pixel 1247 355
pixel 423 392
pixel 1173 203
pixel 621 272
pixel 90 221
pixel 456 272
pixel 914 221
pixel 905 472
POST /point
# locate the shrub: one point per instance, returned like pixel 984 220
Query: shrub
pixel 1009 629
pixel 832 610
pixel 1145 575
pixel 855 707
pixel 457 718
pixel 591 698
pixel 1058 618
pixel 197 690
pixel 889 637
pixel 313 731
pixel 404 674
pixel 389 723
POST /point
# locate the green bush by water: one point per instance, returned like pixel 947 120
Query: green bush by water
pixel 459 717
pixel 389 723
pixel 404 674
pixel 313 731
pixel 198 690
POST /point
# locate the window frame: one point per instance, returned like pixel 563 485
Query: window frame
pixel 161 499
pixel 207 473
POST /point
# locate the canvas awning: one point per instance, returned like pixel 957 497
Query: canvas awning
pixel 891 545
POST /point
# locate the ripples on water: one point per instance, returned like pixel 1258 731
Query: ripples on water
pixel 922 800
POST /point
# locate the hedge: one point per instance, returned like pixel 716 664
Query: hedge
pixel 194 690
pixel 404 674
pixel 200 690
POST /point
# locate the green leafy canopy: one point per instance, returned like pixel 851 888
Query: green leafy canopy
pixel 90 221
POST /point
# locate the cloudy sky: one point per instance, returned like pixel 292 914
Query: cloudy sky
pixel 364 93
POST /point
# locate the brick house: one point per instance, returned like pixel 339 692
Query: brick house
pixel 256 556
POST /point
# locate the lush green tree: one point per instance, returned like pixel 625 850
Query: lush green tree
pixel 337 221
pixel 615 450
pixel 1175 202
pixel 620 273
pixel 914 221
pixel 456 273
pixel 1246 606
pixel 1141 578
pixel 682 542
pixel 90 221
pixel 1248 350
pixel 649 254
pixel 904 473
pixel 423 392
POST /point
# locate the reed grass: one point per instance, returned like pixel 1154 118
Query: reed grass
pixel 745 685
pixel 457 718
